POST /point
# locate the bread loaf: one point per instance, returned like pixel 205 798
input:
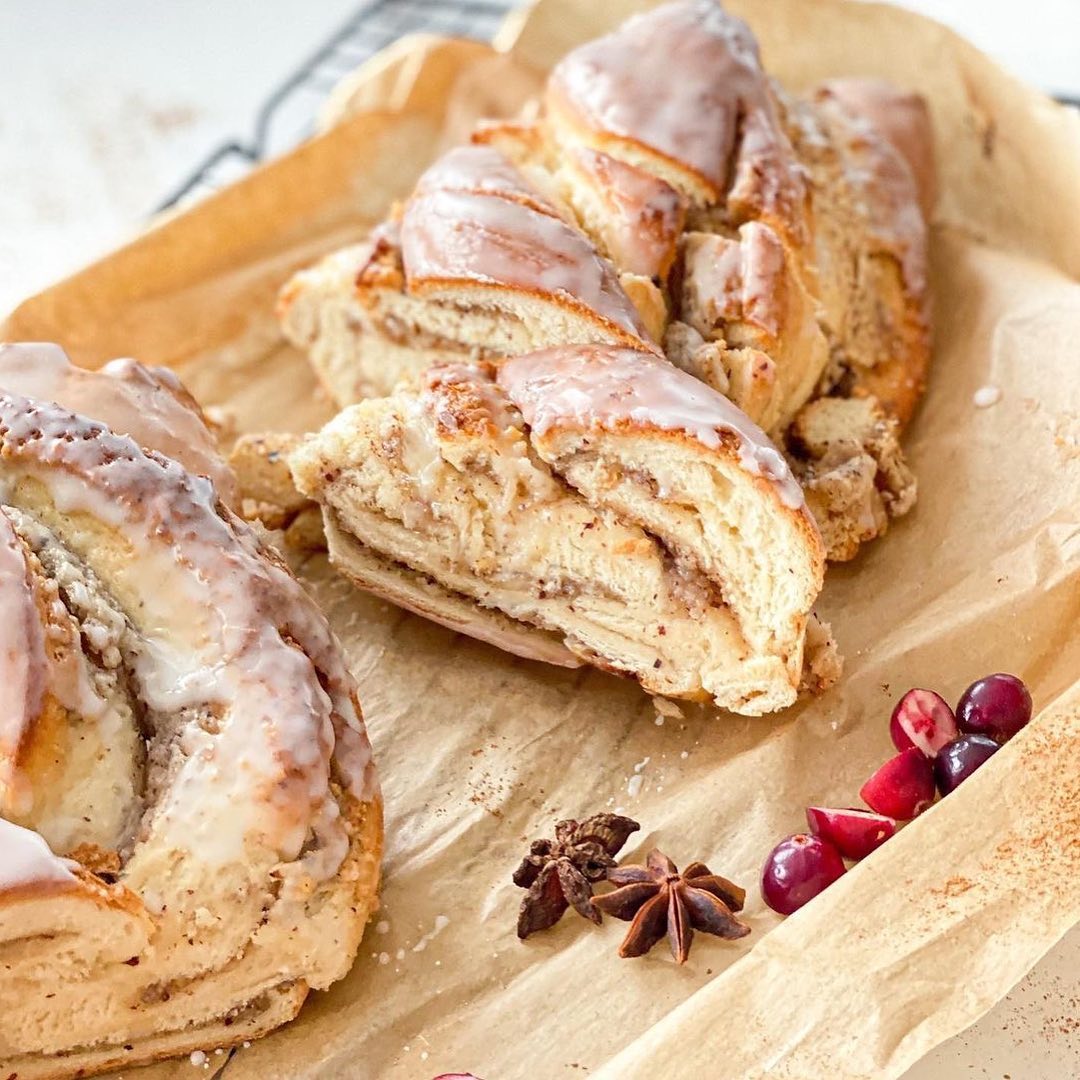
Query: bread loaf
pixel 670 195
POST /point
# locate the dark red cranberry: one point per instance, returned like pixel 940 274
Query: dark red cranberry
pixel 854 833
pixel 998 706
pixel 903 787
pixel 797 869
pixel 923 719
pixel 957 761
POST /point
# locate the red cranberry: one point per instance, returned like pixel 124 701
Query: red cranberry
pixel 961 758
pixel 923 719
pixel 796 870
pixel 903 787
pixel 998 706
pixel 854 833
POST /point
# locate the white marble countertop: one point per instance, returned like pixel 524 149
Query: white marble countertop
pixel 109 105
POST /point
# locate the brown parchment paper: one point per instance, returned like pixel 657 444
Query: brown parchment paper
pixel 479 752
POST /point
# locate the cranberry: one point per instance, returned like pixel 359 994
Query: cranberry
pixel 961 758
pixel 923 719
pixel 998 706
pixel 903 787
pixel 797 869
pixel 854 833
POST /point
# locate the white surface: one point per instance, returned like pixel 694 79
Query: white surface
pixel 108 105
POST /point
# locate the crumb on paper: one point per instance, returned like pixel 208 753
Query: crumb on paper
pixel 441 923
pixel 666 710
pixel 198 1058
pixel 633 786
pixel 641 764
pixel 685 754
pixel 382 927
pixel 986 396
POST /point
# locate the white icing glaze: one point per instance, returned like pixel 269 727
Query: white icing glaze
pixel 25 859
pixel 217 617
pixel 899 116
pixel 644 213
pixel 882 171
pixel 463 236
pixel 149 404
pixel 680 79
pixel 741 280
pixel 604 387
pixel 480 168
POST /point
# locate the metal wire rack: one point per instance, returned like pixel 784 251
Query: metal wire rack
pixel 287 115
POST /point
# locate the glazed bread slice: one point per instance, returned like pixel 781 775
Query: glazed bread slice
pixel 480 264
pixel 445 483
pixel 189 816
pixel 640 437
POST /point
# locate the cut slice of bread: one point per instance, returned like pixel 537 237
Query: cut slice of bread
pixel 439 497
pixel 656 446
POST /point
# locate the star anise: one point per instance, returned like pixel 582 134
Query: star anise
pixel 560 873
pixel 662 901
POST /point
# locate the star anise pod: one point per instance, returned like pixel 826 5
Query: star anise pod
pixel 560 873
pixel 659 900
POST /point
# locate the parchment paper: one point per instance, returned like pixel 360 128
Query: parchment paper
pixel 480 753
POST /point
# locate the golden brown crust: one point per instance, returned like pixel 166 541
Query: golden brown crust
pixel 274 1007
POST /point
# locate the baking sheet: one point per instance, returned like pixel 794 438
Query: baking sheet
pixel 480 753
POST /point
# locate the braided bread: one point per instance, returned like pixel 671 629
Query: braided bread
pixel 670 194
pixel 591 502
pixel 191 825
